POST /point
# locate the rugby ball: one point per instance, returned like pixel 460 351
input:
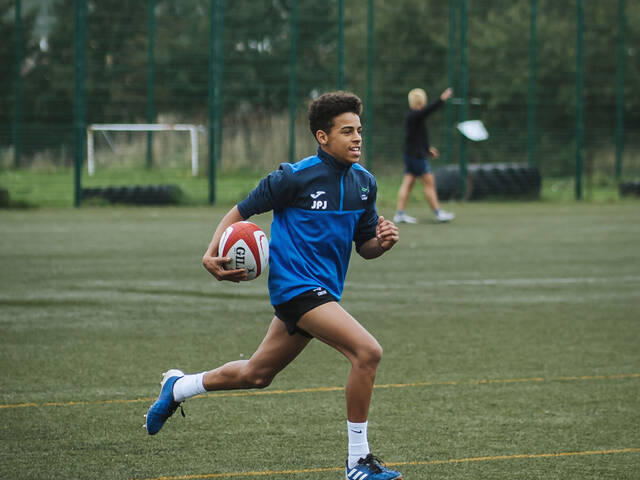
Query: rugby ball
pixel 247 246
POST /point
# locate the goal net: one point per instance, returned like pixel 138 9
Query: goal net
pixel 193 131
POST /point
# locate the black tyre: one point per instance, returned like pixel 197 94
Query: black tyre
pixel 489 180
pixel 137 194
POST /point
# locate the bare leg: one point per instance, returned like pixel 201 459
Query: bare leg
pixel 276 351
pixel 429 186
pixel 405 190
pixel 333 325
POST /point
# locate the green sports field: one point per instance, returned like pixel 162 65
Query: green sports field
pixel 511 337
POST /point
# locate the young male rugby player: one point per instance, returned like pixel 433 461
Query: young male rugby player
pixel 321 205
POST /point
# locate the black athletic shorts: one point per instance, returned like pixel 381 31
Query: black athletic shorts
pixel 416 166
pixel 291 311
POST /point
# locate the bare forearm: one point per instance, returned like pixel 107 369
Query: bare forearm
pixel 211 260
pixel 230 218
pixel 386 237
pixel 371 249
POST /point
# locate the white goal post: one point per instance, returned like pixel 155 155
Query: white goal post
pixel 144 127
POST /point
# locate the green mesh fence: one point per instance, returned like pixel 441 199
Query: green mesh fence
pixel 554 84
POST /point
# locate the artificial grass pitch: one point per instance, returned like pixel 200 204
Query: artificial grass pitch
pixel 510 338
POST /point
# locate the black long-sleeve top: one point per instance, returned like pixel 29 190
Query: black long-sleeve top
pixel 416 137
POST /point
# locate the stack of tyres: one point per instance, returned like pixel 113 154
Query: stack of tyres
pixel 137 194
pixel 628 189
pixel 447 182
pixel 489 180
pixel 4 197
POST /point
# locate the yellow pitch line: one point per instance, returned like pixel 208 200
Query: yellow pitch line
pixel 73 404
pixel 333 389
pixel 401 464
pixel 516 457
pixel 248 474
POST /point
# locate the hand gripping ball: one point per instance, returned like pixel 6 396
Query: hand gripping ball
pixel 247 246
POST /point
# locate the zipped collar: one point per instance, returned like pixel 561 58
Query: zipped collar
pixel 332 161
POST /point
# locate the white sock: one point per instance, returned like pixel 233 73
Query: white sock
pixel 358 443
pixel 188 386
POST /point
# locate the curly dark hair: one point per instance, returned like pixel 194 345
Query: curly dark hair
pixel 326 107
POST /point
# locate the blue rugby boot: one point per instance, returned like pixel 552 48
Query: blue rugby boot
pixel 165 405
pixel 371 468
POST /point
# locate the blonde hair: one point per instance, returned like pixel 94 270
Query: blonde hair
pixel 416 95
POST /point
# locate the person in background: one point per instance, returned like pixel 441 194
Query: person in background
pixel 417 150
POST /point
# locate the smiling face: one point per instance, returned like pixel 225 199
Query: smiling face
pixel 344 140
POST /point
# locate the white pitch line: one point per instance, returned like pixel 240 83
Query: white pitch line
pixel 107 290
pixel 502 281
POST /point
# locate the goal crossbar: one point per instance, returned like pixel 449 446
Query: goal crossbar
pixel 144 127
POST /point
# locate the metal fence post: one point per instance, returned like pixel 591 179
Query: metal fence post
pixel 340 44
pixel 151 26
pixel 211 101
pixel 579 98
pixel 219 93
pixel 79 98
pixel 531 119
pixel 620 70
pixel 464 94
pixel 293 59
pixel 17 96
pixel 368 109
pixel 451 72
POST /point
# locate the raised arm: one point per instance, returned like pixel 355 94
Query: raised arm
pixel 446 95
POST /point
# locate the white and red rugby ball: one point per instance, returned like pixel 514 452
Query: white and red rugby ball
pixel 247 246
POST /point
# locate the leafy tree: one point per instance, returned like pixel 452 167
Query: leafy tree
pixel 411 49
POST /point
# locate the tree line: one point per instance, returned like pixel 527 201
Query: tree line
pixel 412 45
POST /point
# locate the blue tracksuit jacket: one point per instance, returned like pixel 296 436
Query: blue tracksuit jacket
pixel 319 207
